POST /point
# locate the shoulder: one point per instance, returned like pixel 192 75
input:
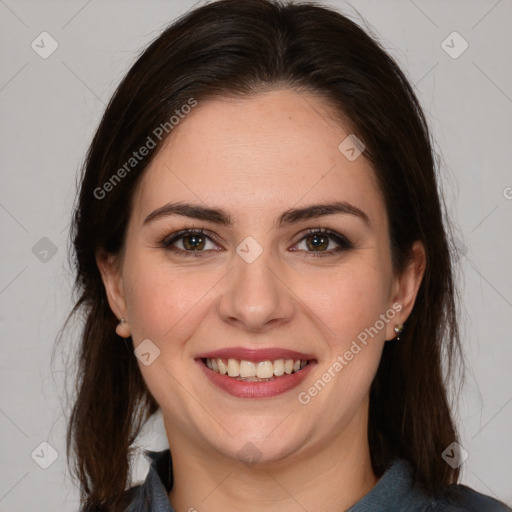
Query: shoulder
pixel 458 498
pixel 398 491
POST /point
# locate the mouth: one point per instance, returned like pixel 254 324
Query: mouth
pixel 263 373
pixel 255 371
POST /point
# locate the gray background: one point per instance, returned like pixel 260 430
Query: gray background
pixel 49 111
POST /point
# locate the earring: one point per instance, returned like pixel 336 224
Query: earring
pixel 122 329
pixel 398 330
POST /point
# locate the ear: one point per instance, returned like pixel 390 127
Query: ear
pixel 406 286
pixel 111 275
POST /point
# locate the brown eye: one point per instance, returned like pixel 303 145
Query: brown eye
pixel 189 242
pixel 317 242
pixel 320 242
pixel 193 242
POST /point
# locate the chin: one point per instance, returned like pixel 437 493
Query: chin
pixel 260 441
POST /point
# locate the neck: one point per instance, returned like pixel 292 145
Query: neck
pixel 331 478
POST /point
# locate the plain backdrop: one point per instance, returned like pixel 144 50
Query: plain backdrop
pixel 50 107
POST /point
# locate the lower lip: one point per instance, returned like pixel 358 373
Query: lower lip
pixel 242 389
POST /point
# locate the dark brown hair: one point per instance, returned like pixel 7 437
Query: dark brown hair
pixel 234 48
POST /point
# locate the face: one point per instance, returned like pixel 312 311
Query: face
pixel 261 278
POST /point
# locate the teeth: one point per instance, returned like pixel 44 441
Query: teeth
pixel 254 371
pixel 223 369
pixel 233 368
pixel 278 367
pixel 247 369
pixel 265 370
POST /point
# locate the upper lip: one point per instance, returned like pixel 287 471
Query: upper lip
pixel 252 354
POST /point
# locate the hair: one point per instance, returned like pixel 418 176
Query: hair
pixel 238 49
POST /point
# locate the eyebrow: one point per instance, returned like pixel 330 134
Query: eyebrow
pixel 222 217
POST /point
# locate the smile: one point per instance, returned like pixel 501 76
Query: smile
pixel 255 371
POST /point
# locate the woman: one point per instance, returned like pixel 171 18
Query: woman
pixel 262 257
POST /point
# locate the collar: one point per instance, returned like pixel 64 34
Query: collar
pixel 153 494
pixel 394 490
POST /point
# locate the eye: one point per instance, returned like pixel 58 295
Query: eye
pixel 192 242
pixel 318 241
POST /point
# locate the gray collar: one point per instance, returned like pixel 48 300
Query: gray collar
pixel 393 492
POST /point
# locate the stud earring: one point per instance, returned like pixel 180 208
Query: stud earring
pixel 122 329
pixel 398 330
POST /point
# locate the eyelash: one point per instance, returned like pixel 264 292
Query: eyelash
pixel 343 242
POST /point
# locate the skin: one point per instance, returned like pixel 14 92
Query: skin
pixel 255 158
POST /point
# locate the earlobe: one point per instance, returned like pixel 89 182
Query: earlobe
pixel 123 329
pixel 112 280
pixel 408 283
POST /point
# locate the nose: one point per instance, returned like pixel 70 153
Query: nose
pixel 257 297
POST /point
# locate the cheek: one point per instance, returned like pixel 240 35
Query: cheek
pixel 349 300
pixel 354 338
pixel 165 303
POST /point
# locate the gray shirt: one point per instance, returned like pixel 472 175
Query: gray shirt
pixel 394 492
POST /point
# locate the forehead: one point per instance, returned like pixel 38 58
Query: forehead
pixel 261 153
